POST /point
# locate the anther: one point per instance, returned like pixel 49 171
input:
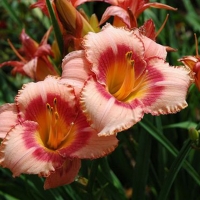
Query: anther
pixel 55 101
pixel 49 108
pixel 129 58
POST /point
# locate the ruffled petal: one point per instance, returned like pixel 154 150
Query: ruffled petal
pixel 64 175
pixel 167 88
pixel 33 97
pixel 21 151
pixel 152 49
pixel 96 146
pixel 116 11
pixel 148 29
pixel 105 113
pixel 75 70
pixel 86 143
pixel 8 118
pixel 107 47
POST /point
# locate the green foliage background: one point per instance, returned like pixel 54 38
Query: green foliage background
pixel 140 168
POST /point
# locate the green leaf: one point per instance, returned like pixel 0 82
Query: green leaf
pixel 142 166
pixel 175 167
pixel 11 12
pixel 56 27
pixel 169 146
pixel 184 125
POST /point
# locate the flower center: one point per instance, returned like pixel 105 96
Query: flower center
pixel 121 78
pixel 54 131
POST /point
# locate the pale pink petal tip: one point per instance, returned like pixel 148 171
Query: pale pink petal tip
pixel 8 118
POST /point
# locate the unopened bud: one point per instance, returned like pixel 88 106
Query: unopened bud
pixel 193 134
pixel 71 19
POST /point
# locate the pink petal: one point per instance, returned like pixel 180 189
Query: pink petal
pixel 8 118
pixel 109 46
pixel 86 143
pixel 153 5
pixel 21 151
pixel 46 35
pixel 29 46
pixel 42 5
pixel 39 68
pixel 18 66
pixel 64 175
pixel 76 3
pixel 148 29
pixel 112 2
pixel 170 83
pixel 75 70
pixel 30 68
pixel 33 97
pixel 116 11
pixel 105 113
pixel 96 146
pixel 152 49
pixel 44 50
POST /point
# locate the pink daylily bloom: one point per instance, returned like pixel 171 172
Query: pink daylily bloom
pixel 126 12
pixel 77 74
pixel 34 61
pixel 44 132
pixel 193 63
pixel 128 78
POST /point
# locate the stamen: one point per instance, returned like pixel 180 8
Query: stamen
pixel 128 79
pixel 16 52
pixel 140 81
pixel 48 107
pixel 161 28
pixel 52 123
pixel 129 57
pixel 55 131
pixel 66 135
pixel 55 104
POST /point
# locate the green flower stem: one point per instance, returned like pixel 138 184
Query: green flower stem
pixel 56 27
pixel 177 164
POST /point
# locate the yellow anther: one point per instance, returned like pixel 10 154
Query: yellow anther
pixel 128 56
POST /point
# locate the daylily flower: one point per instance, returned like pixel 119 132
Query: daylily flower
pixel 73 24
pixel 44 132
pixel 125 76
pixel 126 12
pixel 193 62
pixel 34 59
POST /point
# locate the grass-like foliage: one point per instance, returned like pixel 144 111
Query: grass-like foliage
pixel 155 159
